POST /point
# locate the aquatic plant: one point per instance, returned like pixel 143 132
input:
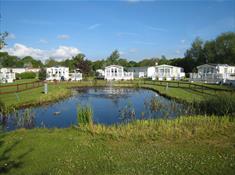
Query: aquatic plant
pixel 84 115
pixel 221 104
pixel 127 113
pixel 4 112
pixel 24 119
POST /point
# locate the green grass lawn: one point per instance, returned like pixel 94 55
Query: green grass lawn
pixel 35 96
pixel 191 145
pixel 19 81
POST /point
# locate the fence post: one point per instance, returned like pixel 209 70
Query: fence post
pixel 178 84
pixel 17 87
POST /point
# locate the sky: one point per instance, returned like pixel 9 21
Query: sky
pixel 137 29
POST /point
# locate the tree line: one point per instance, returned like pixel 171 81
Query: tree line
pixel 219 50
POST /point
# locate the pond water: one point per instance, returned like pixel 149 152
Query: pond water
pixel 110 105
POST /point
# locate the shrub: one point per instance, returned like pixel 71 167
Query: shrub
pixel 42 74
pixel 26 75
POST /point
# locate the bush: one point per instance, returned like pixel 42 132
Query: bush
pixel 42 74
pixel 26 75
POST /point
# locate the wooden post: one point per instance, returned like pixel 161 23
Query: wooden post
pixel 17 87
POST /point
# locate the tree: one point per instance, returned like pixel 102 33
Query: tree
pixel 78 58
pixel 42 74
pixel 7 60
pixel 219 50
pixel 123 62
pixel 51 62
pixel 187 63
pixel 113 58
pixel 225 48
pixel 99 64
pixel 83 65
pixel 210 52
pixel 3 37
pixel 196 51
pixel 68 63
pixel 133 64
pixel 29 61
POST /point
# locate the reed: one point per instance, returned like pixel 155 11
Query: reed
pixel 24 119
pixel 221 104
pixel 85 116
pixel 185 127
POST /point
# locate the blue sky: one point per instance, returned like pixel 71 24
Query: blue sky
pixel 137 29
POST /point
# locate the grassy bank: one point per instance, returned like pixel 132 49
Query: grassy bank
pixel 190 145
pixel 61 90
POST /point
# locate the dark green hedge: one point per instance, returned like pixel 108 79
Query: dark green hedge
pixel 26 75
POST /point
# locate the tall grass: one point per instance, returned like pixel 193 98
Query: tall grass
pixel 221 104
pixel 24 119
pixel 186 127
pixel 84 115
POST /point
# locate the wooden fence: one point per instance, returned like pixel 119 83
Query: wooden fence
pixel 12 88
pixel 184 85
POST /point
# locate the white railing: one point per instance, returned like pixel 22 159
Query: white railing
pixel 124 76
pixel 168 76
pixel 211 77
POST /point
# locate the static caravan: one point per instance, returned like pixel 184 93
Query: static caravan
pixel 213 73
pixel 116 72
pixel 6 75
pixel 138 72
pixel 168 72
pixel 57 73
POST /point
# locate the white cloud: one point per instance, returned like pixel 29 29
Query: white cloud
pixel 93 26
pixel 64 52
pixel 21 50
pixel 43 41
pixel 11 36
pixel 63 37
pixel 59 53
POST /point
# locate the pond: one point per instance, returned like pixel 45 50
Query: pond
pixel 110 105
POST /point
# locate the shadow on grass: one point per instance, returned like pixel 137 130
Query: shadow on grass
pixel 7 162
